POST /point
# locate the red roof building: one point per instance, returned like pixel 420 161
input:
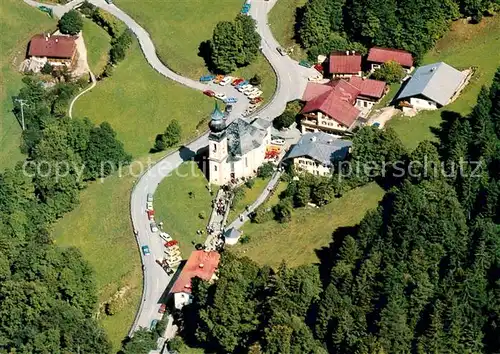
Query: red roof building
pixel 345 64
pixel 60 47
pixel 336 103
pixel 378 55
pixel 373 89
pixel 200 264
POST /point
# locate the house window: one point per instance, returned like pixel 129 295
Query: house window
pixel 215 147
pixel 246 161
pixel 215 168
pixel 365 104
pixel 430 103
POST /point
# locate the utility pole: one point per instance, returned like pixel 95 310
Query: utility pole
pixel 22 103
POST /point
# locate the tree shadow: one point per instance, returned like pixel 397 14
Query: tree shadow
pixel 442 132
pixel 327 255
pixel 205 52
pixel 299 16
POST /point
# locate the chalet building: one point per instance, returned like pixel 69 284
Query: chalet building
pixel 431 87
pixel 371 91
pixel 200 264
pixel 316 153
pixel 57 50
pixel 378 56
pixel 345 64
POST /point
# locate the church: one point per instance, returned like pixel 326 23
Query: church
pixel 236 150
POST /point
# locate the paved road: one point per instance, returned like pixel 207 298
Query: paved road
pixel 292 80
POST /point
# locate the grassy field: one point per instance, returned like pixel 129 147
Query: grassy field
pixel 251 194
pixel 139 103
pixel 178 29
pixel 309 230
pixel 179 211
pixel 282 23
pixel 100 227
pixel 98 43
pixel 464 46
pixel 19 22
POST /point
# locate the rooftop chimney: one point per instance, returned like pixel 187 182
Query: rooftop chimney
pixel 201 265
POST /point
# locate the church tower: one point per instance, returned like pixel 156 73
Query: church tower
pixel 217 148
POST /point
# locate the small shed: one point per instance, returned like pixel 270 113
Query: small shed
pixel 232 236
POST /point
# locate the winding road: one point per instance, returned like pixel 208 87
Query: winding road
pixel 291 82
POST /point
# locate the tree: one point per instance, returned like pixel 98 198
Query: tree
pixel 255 80
pixel 71 23
pixel 283 211
pixel 47 69
pixel 160 143
pixel 223 47
pixel 389 72
pixel 286 119
pixel 173 133
pixel 142 342
pixel 265 170
pixel 247 39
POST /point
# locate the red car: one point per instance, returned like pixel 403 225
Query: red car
pixel 209 93
pixel 256 100
pixel 237 81
pixel 162 309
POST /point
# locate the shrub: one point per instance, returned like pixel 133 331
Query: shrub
pixel 286 119
pixel 255 80
pixel 250 183
pixel 87 9
pixel 389 72
pixel 283 211
pixel 261 215
pixel 266 170
pixel 176 343
pixel 47 69
pixel 173 133
pixel 245 239
pixel 238 194
pixel 71 23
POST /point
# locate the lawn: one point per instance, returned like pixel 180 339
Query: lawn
pixel 100 227
pixel 19 22
pixel 310 229
pixel 98 44
pixel 139 103
pixel 251 194
pixel 282 23
pixel 178 28
pixel 465 45
pixel 179 210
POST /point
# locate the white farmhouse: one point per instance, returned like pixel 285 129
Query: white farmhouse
pixel 431 87
pixel 238 149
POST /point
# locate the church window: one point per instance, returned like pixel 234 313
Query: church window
pixel 215 147
pixel 215 168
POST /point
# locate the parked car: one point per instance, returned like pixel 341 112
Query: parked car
pixel 154 227
pixel 245 9
pixel 244 87
pixel 255 94
pixel 281 51
pixel 221 96
pixel 165 236
pixel 153 325
pixel 278 142
pixel 226 80
pixel 206 78
pixel 229 108
pixel 237 81
pixel 145 250
pixel 376 125
pixel 162 309
pixel 243 83
pixel 230 100
pixel 251 91
pixel 209 93
pixel 256 100
pixel 218 79
pixel 109 2
pixel 305 63
pixel 149 197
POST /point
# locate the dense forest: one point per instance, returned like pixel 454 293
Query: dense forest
pixel 48 298
pixel 413 25
pixel 421 274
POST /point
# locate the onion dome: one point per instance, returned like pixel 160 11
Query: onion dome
pixel 217 122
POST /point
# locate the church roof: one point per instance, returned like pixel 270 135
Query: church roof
pixel 244 136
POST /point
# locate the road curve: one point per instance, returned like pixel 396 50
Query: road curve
pixel 291 82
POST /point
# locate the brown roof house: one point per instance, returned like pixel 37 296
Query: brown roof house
pixel 371 91
pixel 56 50
pixel 329 107
pixel 345 64
pixel 378 56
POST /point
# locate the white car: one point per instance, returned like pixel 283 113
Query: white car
pixel 251 92
pixel 255 94
pixel 220 96
pixel 153 227
pixel 226 80
pixel 245 88
pixel 278 142
pixel 165 236
pixel 315 77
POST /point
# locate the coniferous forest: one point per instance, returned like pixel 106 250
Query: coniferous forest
pixel 421 274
